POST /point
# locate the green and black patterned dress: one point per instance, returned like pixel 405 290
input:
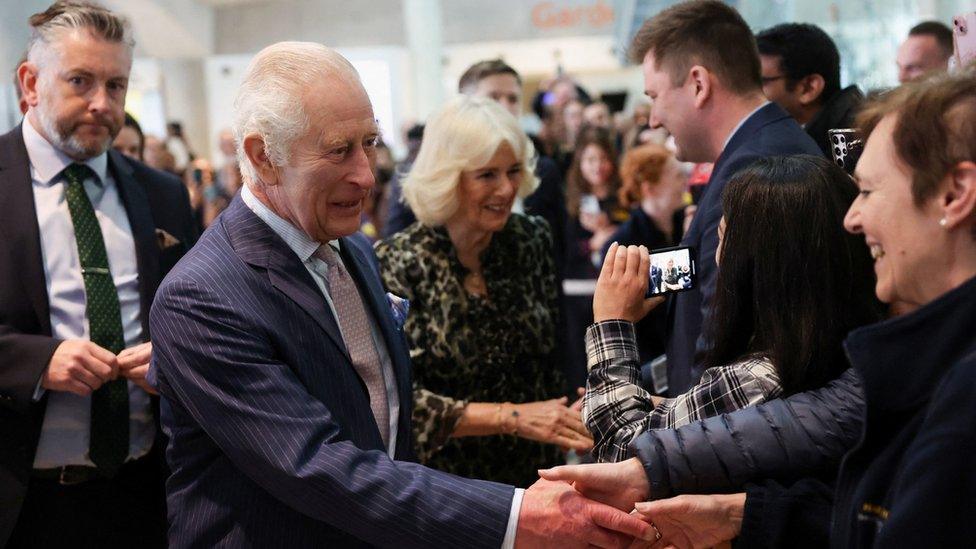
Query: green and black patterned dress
pixel 466 348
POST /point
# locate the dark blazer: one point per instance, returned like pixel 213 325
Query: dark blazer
pixel 272 440
pixel 768 132
pixel 152 200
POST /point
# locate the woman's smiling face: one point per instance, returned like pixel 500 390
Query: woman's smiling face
pixel 904 237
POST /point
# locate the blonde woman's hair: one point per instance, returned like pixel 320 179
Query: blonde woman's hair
pixel 463 135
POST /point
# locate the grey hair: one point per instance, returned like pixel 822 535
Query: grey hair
pixel 270 100
pixel 68 15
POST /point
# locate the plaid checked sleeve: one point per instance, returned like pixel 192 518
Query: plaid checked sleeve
pixel 722 389
pixel 616 409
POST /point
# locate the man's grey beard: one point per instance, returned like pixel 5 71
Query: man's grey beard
pixel 62 138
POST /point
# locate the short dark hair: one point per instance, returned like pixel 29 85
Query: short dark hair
pixel 791 281
pixel 705 32
pixel 937 30
pixel 483 69
pixel 803 49
pixel 935 127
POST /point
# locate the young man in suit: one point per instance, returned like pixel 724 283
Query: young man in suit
pixel 702 73
pixel 85 237
pixel 284 376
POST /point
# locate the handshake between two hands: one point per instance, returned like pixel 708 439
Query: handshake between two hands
pixel 603 505
pixel 80 366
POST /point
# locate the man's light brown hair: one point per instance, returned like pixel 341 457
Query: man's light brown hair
pixel 935 127
pixel 73 14
pixel 701 32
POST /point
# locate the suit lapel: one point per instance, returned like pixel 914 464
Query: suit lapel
pixel 137 208
pixel 18 222
pixel 257 244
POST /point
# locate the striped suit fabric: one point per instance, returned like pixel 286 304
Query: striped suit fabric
pixel 272 440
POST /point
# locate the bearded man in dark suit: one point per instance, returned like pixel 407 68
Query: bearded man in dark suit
pixel 86 235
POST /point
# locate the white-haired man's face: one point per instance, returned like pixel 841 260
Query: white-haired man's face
pixel 77 93
pixel 329 173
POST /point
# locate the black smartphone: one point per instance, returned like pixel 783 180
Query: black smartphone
pixel 672 270
pixel 198 176
pixel 846 146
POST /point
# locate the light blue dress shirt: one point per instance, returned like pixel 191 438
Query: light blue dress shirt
pixel 67 418
pixel 304 247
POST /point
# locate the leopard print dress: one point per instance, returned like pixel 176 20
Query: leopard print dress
pixel 466 348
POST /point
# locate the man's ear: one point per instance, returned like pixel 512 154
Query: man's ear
pixel 27 80
pixel 701 79
pixel 811 89
pixel 257 154
pixel 959 200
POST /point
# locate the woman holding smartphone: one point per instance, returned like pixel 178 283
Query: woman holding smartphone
pixel 792 283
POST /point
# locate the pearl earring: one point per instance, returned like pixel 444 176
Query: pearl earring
pixel 943 222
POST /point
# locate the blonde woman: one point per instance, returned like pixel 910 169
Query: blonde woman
pixel 482 293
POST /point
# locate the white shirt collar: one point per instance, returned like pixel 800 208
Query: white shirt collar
pixel 741 123
pixel 297 240
pixel 47 161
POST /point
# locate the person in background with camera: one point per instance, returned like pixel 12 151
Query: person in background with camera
pixel 481 286
pixel 909 482
pixel 792 283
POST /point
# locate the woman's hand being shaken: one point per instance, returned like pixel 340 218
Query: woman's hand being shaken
pixel 622 285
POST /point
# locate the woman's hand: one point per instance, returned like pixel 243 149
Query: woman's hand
pixel 619 485
pixel 693 521
pixel 550 421
pixel 622 285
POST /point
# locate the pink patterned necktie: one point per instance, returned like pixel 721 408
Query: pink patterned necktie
pixel 357 335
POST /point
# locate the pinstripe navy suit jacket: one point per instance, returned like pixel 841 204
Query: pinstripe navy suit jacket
pixel 273 443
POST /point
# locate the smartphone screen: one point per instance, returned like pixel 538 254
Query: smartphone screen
pixel 672 270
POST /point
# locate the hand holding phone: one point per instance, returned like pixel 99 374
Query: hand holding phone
pixel 622 285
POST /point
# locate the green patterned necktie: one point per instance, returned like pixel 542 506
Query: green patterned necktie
pixel 109 441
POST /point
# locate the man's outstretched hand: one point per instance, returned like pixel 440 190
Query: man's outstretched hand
pixel 616 484
pixel 553 514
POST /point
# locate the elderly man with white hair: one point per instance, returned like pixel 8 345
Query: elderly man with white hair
pixel 281 362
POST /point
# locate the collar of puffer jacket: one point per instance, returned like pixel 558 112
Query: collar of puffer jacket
pixel 901 360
